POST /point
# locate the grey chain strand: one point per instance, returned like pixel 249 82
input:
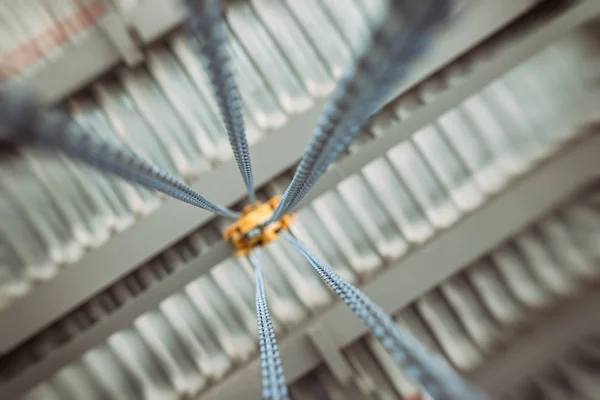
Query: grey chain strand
pixel 419 365
pixel 209 36
pixel 383 62
pixel 273 379
pixel 24 123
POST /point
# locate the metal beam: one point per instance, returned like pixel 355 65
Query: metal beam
pixel 558 331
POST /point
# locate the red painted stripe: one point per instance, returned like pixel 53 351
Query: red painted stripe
pixel 26 54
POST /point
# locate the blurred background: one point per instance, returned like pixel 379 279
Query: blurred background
pixel 469 208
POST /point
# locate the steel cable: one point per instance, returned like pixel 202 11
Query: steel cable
pixel 383 62
pixel 273 379
pixel 24 123
pixel 206 27
pixel 419 365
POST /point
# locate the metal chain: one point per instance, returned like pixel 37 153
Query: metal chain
pixel 383 62
pixel 206 27
pixel 24 123
pixel 420 365
pixel 273 379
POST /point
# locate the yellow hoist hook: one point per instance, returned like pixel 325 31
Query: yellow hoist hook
pixel 249 230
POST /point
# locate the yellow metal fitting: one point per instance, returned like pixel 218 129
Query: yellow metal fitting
pixel 249 231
